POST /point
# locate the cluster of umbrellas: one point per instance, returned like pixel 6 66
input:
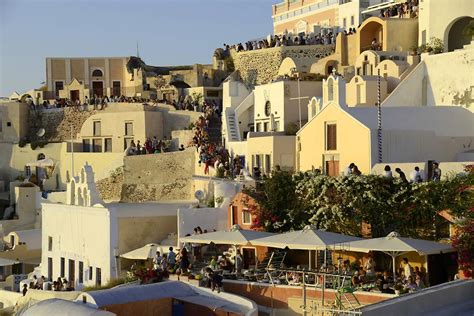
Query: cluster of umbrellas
pixel 309 239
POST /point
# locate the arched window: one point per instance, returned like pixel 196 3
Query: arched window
pixel 97 73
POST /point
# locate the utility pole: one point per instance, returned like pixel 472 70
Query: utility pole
pixel 294 71
pixel 379 118
pixel 72 151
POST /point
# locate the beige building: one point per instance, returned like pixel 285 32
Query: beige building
pixel 307 16
pixel 13 121
pixel 338 136
pixel 363 90
pixel 445 20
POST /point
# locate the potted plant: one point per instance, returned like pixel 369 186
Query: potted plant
pixel 398 288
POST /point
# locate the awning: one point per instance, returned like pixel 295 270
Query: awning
pixel 235 236
pixel 7 262
pixel 146 252
pixel 381 6
pixel 309 238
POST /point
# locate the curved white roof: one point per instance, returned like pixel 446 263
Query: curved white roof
pixel 58 307
pixel 168 289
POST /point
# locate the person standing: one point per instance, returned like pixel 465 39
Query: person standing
pixel 349 169
pixel 407 269
pixel 171 257
pixel 401 174
pixel 436 172
pixel 387 172
pixel 157 261
pixel 415 175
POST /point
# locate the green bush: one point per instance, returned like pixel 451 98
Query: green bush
pixel 112 283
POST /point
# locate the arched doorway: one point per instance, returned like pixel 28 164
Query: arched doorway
pixel 456 36
pixel 371 36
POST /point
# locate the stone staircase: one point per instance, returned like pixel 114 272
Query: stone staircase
pixel 215 128
pixel 232 127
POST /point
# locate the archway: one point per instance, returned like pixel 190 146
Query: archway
pixel 372 30
pixel 456 36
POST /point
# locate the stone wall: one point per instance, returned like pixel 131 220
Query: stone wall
pixel 57 123
pixel 261 66
pixel 158 177
pixel 110 188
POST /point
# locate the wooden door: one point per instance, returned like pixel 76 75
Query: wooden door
pixel 332 168
pixel 248 257
pixel 98 88
pixel 235 215
pixel 74 95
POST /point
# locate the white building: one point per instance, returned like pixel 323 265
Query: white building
pixel 82 238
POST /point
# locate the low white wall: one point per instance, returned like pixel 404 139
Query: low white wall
pixel 440 300
pixel 206 218
pixel 9 298
pixel 447 168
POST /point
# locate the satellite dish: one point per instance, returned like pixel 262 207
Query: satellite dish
pixel 40 132
pixel 199 194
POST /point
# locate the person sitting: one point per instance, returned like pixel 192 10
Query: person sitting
pixel 181 148
pixel 25 289
pixel 419 282
pixel 215 280
pixel 213 263
pixel 410 285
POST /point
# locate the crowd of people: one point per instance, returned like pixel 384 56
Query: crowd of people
pixel 150 146
pixel 416 176
pixel 286 39
pixel 61 284
pixel 407 9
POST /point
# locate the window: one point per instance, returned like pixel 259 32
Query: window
pixel 331 138
pixel 86 145
pixel 352 20
pixel 116 90
pixel 90 273
pixel 97 126
pixel 9 124
pixel 268 108
pixel 128 128
pixel 97 145
pixel 266 127
pixel 212 94
pixel 27 171
pixel 50 243
pixel 97 73
pixel 277 126
pixel 258 127
pixel 58 85
pixel 81 272
pixel 98 276
pixel 12 240
pixel 1 125
pixel 50 268
pixel 62 267
pixel 344 24
pixel 108 145
pixel 267 164
pixel 246 217
pixel 72 270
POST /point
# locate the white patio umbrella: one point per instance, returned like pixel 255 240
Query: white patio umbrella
pixel 394 246
pixel 235 237
pixel 146 252
pixel 309 238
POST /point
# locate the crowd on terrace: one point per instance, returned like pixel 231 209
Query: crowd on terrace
pixel 408 9
pixel 286 39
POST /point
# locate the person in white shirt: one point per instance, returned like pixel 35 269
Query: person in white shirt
pixel 388 172
pixel 348 170
pixel 157 261
pixel 407 268
pixel 171 257
pixel 415 175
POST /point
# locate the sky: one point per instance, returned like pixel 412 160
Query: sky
pixel 169 32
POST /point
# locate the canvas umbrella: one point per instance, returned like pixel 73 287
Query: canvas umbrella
pixel 309 238
pixel 394 246
pixel 235 237
pixel 143 253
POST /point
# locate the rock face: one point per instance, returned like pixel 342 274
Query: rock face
pixel 261 66
pixel 57 123
pixel 158 177
pixel 110 188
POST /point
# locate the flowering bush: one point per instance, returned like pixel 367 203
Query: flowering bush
pixel 149 275
pixel 463 241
